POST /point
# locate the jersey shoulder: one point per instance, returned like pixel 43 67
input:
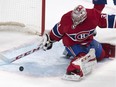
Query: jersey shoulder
pixel 66 18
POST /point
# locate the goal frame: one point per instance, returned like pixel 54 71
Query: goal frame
pixel 40 25
pixel 43 17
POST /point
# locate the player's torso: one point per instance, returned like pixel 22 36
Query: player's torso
pixel 82 34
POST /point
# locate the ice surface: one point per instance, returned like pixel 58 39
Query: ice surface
pixel 45 68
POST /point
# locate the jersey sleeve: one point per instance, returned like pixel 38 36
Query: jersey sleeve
pixel 114 1
pixel 99 7
pixel 60 29
pixel 107 21
pixel 56 32
pixel 99 1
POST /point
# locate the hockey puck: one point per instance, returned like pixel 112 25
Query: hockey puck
pixel 21 68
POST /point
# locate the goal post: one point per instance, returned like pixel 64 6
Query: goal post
pixel 43 16
pixel 31 13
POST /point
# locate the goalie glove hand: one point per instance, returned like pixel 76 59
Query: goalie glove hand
pixel 47 43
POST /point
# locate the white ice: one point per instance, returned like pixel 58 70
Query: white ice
pixel 45 68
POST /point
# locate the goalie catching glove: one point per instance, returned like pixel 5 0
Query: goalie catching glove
pixel 47 42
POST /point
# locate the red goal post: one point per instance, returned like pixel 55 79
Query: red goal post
pixel 43 17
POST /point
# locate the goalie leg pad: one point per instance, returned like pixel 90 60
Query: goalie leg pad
pixel 80 67
pixel 73 77
pixel 109 50
pixel 87 62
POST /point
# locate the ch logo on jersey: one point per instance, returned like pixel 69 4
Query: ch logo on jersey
pixel 81 35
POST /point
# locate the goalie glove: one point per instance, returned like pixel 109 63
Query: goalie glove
pixel 47 43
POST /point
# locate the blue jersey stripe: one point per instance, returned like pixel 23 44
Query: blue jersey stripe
pixel 56 31
pixel 111 21
pixel 99 1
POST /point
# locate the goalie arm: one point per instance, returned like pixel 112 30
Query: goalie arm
pixel 99 4
pixel 54 35
pixel 107 21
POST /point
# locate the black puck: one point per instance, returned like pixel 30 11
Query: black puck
pixel 21 68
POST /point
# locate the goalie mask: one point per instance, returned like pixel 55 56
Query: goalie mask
pixel 79 14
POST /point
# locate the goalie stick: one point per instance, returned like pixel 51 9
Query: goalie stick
pixel 8 61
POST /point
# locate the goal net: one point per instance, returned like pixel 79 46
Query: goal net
pixel 27 15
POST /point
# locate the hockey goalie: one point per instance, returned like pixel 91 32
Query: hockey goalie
pixel 76 29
